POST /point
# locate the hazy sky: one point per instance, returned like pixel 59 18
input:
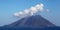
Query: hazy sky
pixel 9 7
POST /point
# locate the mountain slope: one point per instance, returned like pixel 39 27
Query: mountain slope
pixel 36 20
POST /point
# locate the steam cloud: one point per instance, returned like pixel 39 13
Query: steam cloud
pixel 31 11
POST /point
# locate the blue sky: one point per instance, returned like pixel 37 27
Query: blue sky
pixel 9 7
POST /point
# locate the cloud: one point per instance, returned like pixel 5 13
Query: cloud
pixel 31 11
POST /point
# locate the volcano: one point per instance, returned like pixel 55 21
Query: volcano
pixel 36 20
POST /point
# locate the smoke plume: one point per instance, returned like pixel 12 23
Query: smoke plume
pixel 31 11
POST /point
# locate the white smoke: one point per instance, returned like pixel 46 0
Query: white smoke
pixel 47 10
pixel 31 11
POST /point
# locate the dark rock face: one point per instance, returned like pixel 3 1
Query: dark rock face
pixel 36 20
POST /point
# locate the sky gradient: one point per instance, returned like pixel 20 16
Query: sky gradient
pixel 9 7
